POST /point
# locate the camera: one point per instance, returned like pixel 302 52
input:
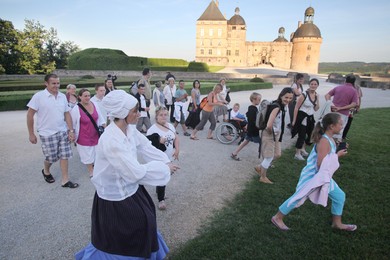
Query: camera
pixel 112 77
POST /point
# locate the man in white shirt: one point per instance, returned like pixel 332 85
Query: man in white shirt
pixel 53 122
pixel 143 108
pixel 100 91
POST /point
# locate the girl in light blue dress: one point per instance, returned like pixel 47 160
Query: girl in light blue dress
pixel 316 176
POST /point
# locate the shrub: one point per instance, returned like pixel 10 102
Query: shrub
pixel 87 77
pixel 198 67
pixel 256 79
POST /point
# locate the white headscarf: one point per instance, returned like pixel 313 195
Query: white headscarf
pixel 118 104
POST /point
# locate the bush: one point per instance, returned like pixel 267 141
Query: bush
pixel 87 77
pixel 198 67
pixel 156 62
pixel 256 79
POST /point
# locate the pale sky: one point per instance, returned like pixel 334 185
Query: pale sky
pixel 351 30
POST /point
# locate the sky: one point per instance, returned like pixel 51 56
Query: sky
pixel 351 30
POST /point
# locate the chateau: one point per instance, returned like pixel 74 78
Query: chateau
pixel 222 42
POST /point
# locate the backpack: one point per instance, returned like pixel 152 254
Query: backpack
pixel 262 115
pixel 134 88
pixel 203 102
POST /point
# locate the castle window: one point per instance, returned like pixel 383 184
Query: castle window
pixel 201 51
pixel 211 42
pixel 255 49
pixel 211 32
pixel 219 52
pixel 211 51
pixel 228 52
pixel 201 43
pixel 219 43
pixel 219 32
pixel 237 53
pixel 309 47
pixel 308 58
pixel 202 32
pixel 233 27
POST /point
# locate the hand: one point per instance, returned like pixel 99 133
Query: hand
pixel 71 136
pixel 173 167
pixel 342 153
pixel 147 109
pixel 175 154
pixel 32 138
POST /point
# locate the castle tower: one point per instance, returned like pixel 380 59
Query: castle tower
pixel 211 34
pixel 236 40
pixel 306 45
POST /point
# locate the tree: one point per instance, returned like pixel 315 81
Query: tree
pixel 33 50
pixel 8 43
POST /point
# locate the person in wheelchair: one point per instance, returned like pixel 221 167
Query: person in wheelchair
pixel 238 119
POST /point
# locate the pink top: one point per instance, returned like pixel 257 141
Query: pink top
pixel 88 136
pixel 344 95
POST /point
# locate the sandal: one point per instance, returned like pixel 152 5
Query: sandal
pixel 48 178
pixel 212 138
pixel 70 184
pixel 234 157
pixel 194 138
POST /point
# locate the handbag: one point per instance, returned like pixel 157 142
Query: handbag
pixel 99 129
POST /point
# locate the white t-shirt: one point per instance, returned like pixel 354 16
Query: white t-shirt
pixel 168 134
pixel 50 112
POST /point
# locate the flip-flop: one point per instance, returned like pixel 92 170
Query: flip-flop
pixel 70 184
pixel 194 138
pixel 234 157
pixel 279 227
pixel 48 178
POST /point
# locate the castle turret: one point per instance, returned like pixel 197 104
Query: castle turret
pixel 306 45
pixel 236 40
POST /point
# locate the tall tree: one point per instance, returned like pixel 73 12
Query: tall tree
pixel 9 61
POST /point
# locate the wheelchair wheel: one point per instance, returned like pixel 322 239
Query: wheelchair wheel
pixel 226 133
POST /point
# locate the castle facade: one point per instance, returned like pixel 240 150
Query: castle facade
pixel 222 42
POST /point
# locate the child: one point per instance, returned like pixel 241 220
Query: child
pixel 237 116
pixel 252 131
pixel 143 108
pixel 316 178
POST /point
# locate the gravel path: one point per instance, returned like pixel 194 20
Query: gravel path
pixel 46 221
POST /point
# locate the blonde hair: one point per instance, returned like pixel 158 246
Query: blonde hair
pixel 218 85
pixel 71 86
pixel 254 96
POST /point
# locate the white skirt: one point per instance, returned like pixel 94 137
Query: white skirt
pixel 87 153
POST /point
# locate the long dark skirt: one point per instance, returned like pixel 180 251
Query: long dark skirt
pixel 126 227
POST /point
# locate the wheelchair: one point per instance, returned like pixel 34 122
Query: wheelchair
pixel 230 131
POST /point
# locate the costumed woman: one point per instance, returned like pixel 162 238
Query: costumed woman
pixel 123 214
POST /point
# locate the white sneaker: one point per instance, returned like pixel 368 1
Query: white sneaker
pixel 304 153
pixel 299 157
pixel 161 205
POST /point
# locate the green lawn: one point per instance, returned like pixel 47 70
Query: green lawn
pixel 243 230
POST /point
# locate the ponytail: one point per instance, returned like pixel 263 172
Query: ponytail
pixel 323 125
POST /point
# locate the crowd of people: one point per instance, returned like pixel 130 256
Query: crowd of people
pixel 113 129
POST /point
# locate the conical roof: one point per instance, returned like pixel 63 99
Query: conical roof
pixel 212 13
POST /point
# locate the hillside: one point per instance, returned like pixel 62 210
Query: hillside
pixel 354 67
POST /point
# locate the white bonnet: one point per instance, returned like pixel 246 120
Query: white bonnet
pixel 118 104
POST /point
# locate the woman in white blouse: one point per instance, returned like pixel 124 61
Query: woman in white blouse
pixel 123 213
